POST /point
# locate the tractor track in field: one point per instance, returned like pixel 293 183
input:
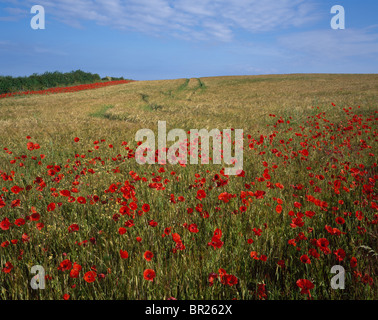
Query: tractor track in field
pixel 189 87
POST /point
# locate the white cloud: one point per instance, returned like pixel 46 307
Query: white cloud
pixel 198 19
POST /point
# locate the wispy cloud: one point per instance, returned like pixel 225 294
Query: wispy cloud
pixel 196 19
pixel 13 14
pixel 333 44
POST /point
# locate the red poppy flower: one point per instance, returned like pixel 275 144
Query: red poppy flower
pixel 222 272
pixel 297 204
pixel 340 254
pixel 193 228
pixel 122 230
pixel 149 275
pixel 74 273
pixel 253 255
pixel 35 217
pixel 353 262
pixel 323 245
pixel 129 223
pixel 305 259
pixel 297 222
pixel 146 207
pixel 8 267
pixel 225 197
pixel 309 214
pixel 51 207
pixel 16 189
pixel 340 220
pixel 30 146
pixel 261 291
pixel 153 223
pixel 124 254
pixel 16 203
pixel 81 200
pixel 5 224
pixel 215 243
pixel 314 253
pixel 176 237
pixel 73 228
pixel 4 244
pixel 25 237
pixel 243 209
pixel 124 210
pixel 305 285
pixel 232 280
pixel 281 263
pixel 212 276
pixel 201 194
pixel 133 206
pixel 65 265
pixel 40 226
pixel 148 255
pixel 65 193
pixel 90 276
pixel 218 233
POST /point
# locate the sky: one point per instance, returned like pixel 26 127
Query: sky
pixel 170 39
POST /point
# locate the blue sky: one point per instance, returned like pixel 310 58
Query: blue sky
pixel 166 39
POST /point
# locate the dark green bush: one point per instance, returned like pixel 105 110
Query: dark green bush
pixel 46 80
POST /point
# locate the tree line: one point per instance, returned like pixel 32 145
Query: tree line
pixel 49 80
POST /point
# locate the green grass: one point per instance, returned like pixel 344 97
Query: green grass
pixel 102 112
pixel 201 84
pixel 183 86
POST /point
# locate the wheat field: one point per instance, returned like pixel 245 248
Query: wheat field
pixel 74 200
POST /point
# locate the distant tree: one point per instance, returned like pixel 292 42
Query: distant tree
pixel 48 80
